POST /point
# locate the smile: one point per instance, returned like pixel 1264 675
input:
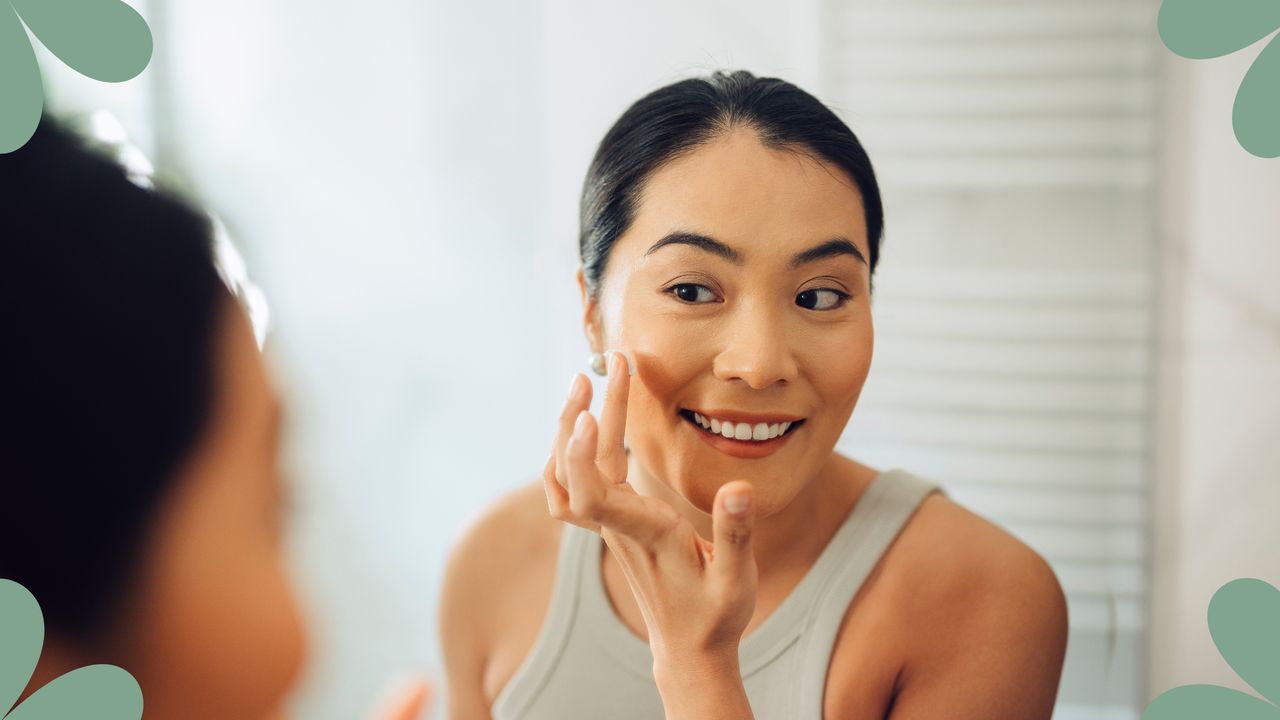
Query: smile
pixel 752 437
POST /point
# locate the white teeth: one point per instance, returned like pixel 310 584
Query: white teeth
pixel 742 431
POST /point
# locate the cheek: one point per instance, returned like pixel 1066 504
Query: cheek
pixel 668 358
pixel 217 620
pixel 842 367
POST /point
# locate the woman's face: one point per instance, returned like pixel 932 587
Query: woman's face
pixel 213 628
pixel 742 293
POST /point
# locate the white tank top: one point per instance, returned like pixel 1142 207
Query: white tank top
pixel 587 664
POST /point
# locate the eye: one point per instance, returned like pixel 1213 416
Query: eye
pixel 822 299
pixel 690 292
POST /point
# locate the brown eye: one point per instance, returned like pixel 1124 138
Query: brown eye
pixel 692 293
pixel 822 299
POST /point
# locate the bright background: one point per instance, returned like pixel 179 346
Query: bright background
pixel 1078 324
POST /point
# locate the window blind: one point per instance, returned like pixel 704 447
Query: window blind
pixel 1013 305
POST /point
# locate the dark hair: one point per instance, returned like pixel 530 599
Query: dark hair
pixel 678 118
pixel 109 300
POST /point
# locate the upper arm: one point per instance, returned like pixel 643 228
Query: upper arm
pixel 996 651
pixel 462 639
pixel 494 592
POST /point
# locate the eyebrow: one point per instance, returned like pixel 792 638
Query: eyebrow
pixel 830 248
pixel 703 242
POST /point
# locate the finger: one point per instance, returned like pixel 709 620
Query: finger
pixel 612 453
pixel 586 489
pixel 403 700
pixel 557 497
pixel 579 400
pixel 732 521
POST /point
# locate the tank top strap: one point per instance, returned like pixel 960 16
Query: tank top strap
pixel 872 526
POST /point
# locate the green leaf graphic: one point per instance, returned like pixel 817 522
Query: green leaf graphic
pixel 1256 115
pixel 21 90
pixel 97 692
pixel 1244 620
pixel 21 635
pixel 1209 702
pixel 1201 29
pixel 102 39
pixel 94 692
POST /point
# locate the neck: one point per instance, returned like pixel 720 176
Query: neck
pixel 796 533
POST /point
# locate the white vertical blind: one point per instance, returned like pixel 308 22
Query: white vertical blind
pixel 1013 306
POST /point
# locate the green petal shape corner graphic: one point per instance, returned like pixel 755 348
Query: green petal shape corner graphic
pixel 1201 29
pixel 1208 702
pixel 1244 620
pixel 21 90
pixel 101 692
pixel 102 39
pixel 21 635
pixel 1256 114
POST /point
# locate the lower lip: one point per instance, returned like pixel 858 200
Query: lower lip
pixel 749 449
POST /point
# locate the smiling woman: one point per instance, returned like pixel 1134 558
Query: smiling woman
pixel 721 559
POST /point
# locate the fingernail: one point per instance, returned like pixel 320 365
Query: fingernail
pixel 631 367
pixel 580 423
pixel 737 503
pixel 573 386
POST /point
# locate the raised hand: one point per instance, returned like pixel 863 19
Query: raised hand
pixel 696 595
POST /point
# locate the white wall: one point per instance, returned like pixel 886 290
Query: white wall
pixel 403 177
pixel 1216 494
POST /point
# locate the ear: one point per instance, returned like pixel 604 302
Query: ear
pixel 590 313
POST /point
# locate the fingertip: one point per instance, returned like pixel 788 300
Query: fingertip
pixel 737 497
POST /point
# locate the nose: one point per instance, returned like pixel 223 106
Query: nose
pixel 756 349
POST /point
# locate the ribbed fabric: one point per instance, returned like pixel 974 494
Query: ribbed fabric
pixel 587 664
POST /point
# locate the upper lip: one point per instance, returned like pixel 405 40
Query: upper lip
pixel 738 416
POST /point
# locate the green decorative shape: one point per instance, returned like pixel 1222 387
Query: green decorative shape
pixel 1244 620
pixel 97 692
pixel 21 635
pixel 94 692
pixel 1256 114
pixel 21 90
pixel 1208 702
pixel 1202 29
pixel 102 39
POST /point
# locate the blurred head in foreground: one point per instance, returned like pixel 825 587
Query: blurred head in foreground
pixel 141 490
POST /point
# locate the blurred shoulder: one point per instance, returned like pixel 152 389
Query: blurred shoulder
pixel 515 532
pixel 509 549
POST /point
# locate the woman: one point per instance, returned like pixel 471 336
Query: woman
pixel 730 230
pixel 140 460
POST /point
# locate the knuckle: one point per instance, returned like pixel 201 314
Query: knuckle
pixel 737 536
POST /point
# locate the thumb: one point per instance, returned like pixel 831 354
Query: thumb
pixel 404 699
pixel 732 520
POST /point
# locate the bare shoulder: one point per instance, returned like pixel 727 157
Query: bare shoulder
pixel 497 587
pixel 984 618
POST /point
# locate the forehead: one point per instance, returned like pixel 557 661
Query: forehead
pixel 758 199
